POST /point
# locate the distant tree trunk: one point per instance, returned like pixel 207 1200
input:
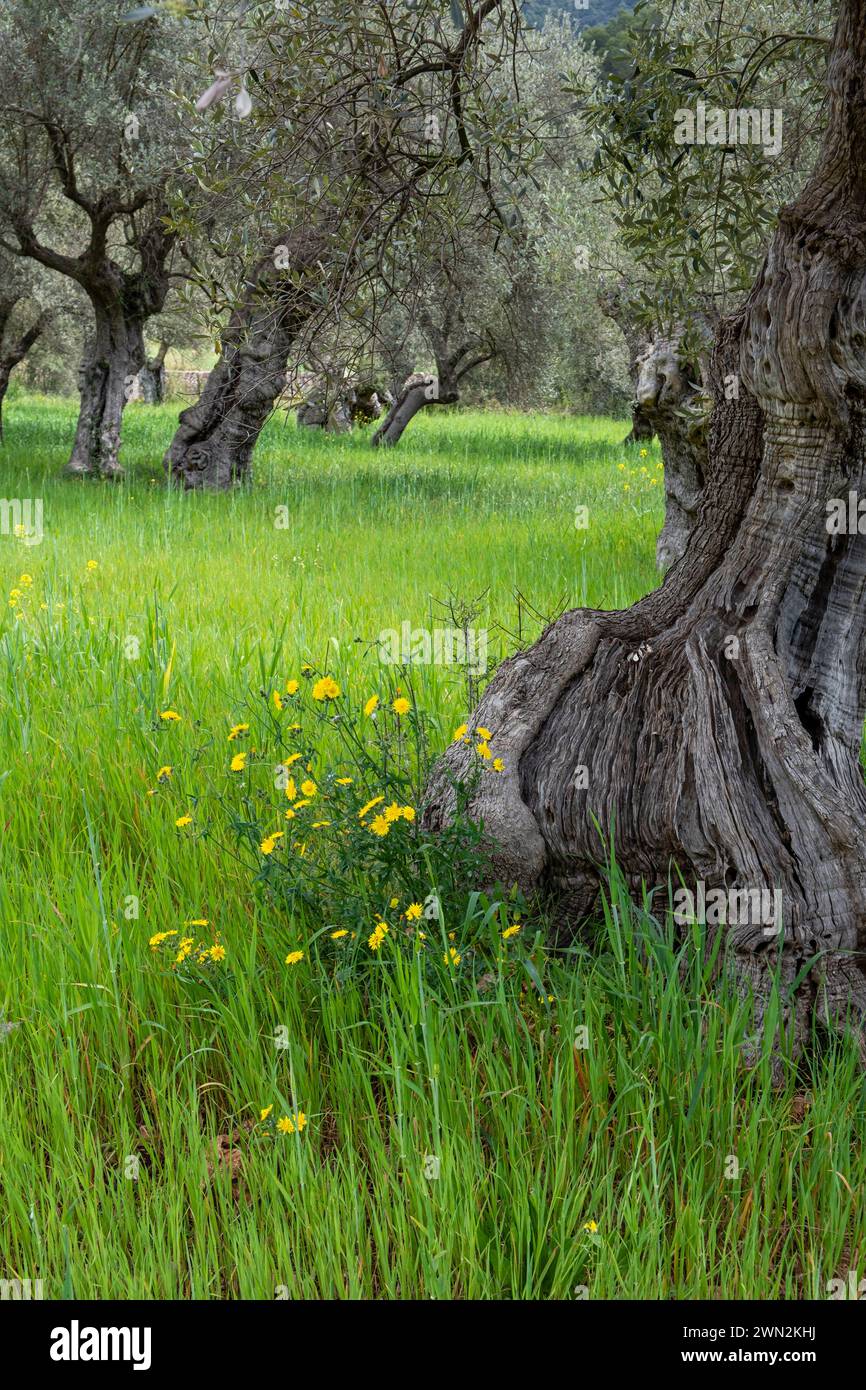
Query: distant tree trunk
pixel 717 724
pixel 122 301
pixel 113 357
pixel 641 432
pixel 669 401
pixel 670 396
pixel 420 390
pixel 11 353
pixel 151 378
pixel 423 389
pixel 214 443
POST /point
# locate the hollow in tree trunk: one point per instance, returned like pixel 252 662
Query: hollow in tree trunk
pixel 641 431
pixel 717 724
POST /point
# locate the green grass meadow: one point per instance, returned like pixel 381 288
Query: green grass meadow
pixel 523 1122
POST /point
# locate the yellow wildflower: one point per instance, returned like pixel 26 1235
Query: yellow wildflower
pixel 326 689
pixel 158 939
pixel 400 705
pixel 294 957
pixel 239 762
pixel 371 704
pixel 377 936
pixel 286 1125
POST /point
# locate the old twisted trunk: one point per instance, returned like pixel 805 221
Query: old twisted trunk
pixel 419 390
pixel 114 354
pixel 214 442
pixel 717 724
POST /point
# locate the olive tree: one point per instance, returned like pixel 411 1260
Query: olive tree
pixel 89 136
pixel 717 724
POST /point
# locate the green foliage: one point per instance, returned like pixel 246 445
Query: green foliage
pixel 695 218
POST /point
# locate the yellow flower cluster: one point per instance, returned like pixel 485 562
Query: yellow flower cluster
pixel 187 946
pixel 287 1124
pixel 377 935
pixel 482 748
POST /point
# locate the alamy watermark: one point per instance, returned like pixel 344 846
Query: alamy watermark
pixel 733 126
pixel 755 907
pixel 438 646
pixel 21 517
pixel 21 1290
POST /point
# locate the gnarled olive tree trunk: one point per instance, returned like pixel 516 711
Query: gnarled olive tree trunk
pixel 122 302
pixel 113 357
pixel 717 723
pixel 670 401
pixel 419 390
pixel 214 442
pixel 453 363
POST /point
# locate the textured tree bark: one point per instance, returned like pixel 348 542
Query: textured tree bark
pixel 113 357
pixel 719 720
pixel 214 443
pixel 669 401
